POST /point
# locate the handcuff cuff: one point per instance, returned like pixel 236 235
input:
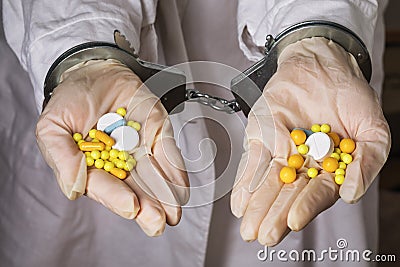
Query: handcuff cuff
pixel 246 87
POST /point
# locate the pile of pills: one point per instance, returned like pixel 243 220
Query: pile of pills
pixel 107 146
pixel 325 147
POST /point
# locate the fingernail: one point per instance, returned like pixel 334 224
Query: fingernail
pixel 239 201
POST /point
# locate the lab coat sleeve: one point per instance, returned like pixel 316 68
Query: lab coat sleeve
pixel 39 31
pixel 256 19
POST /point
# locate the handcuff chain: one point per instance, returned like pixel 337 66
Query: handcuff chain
pixel 217 103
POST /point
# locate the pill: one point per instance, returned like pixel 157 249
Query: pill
pixel 339 179
pixel 104 154
pixel 330 164
pixel 108 166
pixel 288 174
pixel 340 171
pixel 135 125
pixel 325 128
pixel 119 163
pixel 295 161
pixel 77 137
pixel 121 111
pixel 108 119
pixel 128 166
pixel 109 129
pixel 302 149
pixel 335 138
pixel 114 153
pixel 298 136
pixel 80 142
pixel 99 163
pixel 335 155
pixel 316 128
pixel 320 146
pixel 121 174
pixel 347 158
pixel 89 161
pixel 306 131
pixel 92 132
pixel 126 138
pixel 342 165
pixel 347 145
pixel 95 154
pixel 90 146
pixel 312 172
pixel 103 137
pixel 123 155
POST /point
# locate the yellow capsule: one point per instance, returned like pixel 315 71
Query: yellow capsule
pixel 123 155
pixel 77 137
pixel 95 154
pixel 340 171
pixel 114 153
pixel 312 172
pixel 90 146
pixel 335 155
pixel 89 161
pixel 347 158
pixel 302 149
pixel 92 133
pixel 121 174
pixel 339 179
pixel 121 111
pixel 316 128
pixel 105 138
pixel 105 155
pixel 325 128
pixel 342 165
pixel 108 166
pixel 99 163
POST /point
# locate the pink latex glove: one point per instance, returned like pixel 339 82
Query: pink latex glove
pixel 317 81
pixel 155 189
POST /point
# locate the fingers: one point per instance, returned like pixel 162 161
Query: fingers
pixel 320 193
pixel 274 226
pixel 260 203
pixel 113 193
pixel 169 158
pixel 372 149
pixel 151 217
pixel 154 182
pixel 63 156
pixel 252 169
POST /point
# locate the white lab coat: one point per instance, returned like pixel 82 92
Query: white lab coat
pixel 40 227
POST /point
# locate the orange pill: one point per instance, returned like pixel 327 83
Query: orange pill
pixel 288 174
pixel 335 138
pixel 330 164
pixel 295 161
pixel 90 146
pixel 298 136
pixel 105 138
pixel 347 145
pixel 121 174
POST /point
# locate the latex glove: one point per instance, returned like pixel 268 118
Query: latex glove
pixel 156 188
pixel 317 81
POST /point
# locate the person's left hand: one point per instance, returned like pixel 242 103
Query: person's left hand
pixel 317 81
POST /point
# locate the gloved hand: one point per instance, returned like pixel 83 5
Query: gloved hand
pixel 317 81
pixel 155 189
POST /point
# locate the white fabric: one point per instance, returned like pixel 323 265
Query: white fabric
pixel 36 226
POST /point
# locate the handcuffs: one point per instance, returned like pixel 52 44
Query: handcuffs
pixel 246 87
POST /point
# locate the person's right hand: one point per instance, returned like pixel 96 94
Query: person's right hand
pixel 157 187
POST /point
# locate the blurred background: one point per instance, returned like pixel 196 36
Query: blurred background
pixel 390 176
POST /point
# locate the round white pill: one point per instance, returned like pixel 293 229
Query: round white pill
pixel 108 119
pixel 319 145
pixel 126 138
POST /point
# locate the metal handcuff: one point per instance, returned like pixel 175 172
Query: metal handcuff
pixel 246 87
